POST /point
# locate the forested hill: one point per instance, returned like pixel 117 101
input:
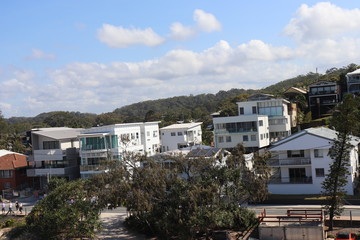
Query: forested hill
pixel 182 106
pixel 168 110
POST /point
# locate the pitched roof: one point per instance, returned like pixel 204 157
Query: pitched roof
pixel 12 161
pixel 181 126
pixel 357 71
pixel 324 133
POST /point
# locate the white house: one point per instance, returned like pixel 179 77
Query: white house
pixel 300 162
pixel 98 144
pixel 55 152
pixel 177 136
pixel 259 122
pixel 353 81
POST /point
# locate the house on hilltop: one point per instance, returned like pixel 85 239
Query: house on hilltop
pixel 300 162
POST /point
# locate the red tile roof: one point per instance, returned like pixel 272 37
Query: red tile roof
pixel 12 161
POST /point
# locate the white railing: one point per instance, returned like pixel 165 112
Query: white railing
pixel 289 161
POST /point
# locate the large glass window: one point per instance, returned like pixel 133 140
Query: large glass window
pixel 51 145
pixel 95 143
pixel 114 141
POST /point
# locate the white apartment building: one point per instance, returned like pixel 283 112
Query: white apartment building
pixel 300 162
pixel 100 144
pixel 259 123
pixel 55 153
pixel 177 136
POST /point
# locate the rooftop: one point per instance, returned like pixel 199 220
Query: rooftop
pixel 58 133
pixel 181 126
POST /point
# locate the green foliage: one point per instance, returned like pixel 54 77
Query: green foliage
pixel 189 198
pixel 67 212
pixel 345 122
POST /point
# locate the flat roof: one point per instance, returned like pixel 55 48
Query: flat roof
pixel 181 126
pixel 58 133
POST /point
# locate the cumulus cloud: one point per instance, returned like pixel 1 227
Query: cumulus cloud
pixel 120 37
pixel 40 55
pixel 323 20
pixel 204 22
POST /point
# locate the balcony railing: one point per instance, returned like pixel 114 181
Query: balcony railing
pixel 86 168
pixel 290 180
pixel 289 161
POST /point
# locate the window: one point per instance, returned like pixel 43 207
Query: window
pixel 245 138
pixel 148 133
pixel 261 137
pixel 5 173
pixel 319 172
pixel 51 145
pixel 261 123
pixel 295 153
pixel 155 133
pixel 173 134
pixel 241 109
pixel 318 153
pixel 254 111
pixel 180 133
pixel 253 138
pixel 228 138
pixel 221 139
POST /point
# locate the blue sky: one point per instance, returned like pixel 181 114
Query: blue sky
pixel 95 56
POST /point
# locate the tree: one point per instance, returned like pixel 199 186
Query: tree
pixel 345 122
pixel 67 212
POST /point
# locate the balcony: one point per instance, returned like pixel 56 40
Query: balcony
pixel 48 154
pixel 93 168
pixel 290 180
pixel 289 161
pixel 35 172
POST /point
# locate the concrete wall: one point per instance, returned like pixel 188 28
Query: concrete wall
pixel 291 232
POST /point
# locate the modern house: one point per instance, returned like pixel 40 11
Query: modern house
pixel 177 136
pixel 323 97
pixel 13 171
pixel 101 144
pixel 353 82
pixel 260 121
pixel 300 162
pixel 55 153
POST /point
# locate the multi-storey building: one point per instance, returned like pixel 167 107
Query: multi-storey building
pixel 259 122
pixel 353 82
pixel 55 153
pixel 101 144
pixel 177 136
pixel 300 162
pixel 323 97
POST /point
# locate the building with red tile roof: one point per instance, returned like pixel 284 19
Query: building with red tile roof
pixel 13 170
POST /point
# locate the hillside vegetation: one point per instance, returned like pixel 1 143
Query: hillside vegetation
pixel 179 108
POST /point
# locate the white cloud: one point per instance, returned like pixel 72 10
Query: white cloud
pixel 120 37
pixel 180 32
pixel 40 55
pixel 204 22
pixel 323 20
